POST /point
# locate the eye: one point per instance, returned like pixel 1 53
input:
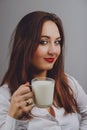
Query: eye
pixel 57 42
pixel 43 42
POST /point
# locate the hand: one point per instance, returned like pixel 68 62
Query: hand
pixel 21 102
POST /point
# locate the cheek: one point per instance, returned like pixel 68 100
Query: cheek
pixel 58 51
pixel 37 54
pixel 40 52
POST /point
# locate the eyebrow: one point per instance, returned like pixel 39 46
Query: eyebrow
pixel 45 36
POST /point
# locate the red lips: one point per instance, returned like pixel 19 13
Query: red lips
pixel 50 60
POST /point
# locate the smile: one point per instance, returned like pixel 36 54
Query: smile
pixel 50 60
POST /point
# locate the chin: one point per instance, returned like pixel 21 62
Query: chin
pixel 45 67
pixel 49 67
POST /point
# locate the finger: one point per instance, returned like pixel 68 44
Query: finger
pixel 23 89
pixel 30 87
pixel 28 108
pixel 27 96
pixel 26 84
pixel 29 101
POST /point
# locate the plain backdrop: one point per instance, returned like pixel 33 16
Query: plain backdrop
pixel 74 17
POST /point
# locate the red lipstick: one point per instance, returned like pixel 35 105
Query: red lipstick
pixel 50 60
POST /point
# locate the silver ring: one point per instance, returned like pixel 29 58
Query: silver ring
pixel 27 103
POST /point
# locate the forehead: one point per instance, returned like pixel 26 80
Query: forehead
pixel 50 28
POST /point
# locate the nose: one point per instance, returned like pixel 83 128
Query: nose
pixel 52 49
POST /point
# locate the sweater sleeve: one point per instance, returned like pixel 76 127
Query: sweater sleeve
pixel 13 124
pixel 81 98
pixel 7 122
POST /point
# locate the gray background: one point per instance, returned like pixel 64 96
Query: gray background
pixel 74 16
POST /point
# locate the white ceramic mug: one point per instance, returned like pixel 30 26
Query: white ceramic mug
pixel 43 89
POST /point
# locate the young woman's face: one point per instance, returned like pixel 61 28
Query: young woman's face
pixel 48 49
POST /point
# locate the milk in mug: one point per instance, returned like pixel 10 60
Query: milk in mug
pixel 43 92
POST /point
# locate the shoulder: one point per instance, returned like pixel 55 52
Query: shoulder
pixel 5 91
pixel 72 81
pixel 74 84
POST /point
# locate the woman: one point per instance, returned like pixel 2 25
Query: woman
pixel 37 51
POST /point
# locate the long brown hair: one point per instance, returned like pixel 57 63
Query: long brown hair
pixel 25 42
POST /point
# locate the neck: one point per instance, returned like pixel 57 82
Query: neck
pixel 37 73
pixel 41 74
